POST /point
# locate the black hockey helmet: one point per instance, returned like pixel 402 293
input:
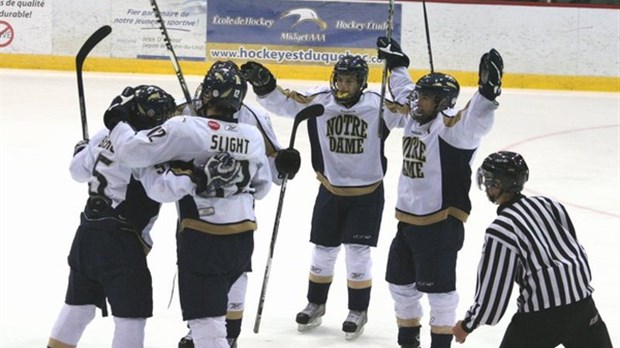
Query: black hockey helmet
pixel 223 64
pixel 443 87
pixel 349 65
pixel 151 107
pixel 505 170
pixel 223 87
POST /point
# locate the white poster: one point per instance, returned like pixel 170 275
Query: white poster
pixel 25 26
pixel 138 34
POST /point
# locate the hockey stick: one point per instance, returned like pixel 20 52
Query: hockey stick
pixel 428 37
pixel 385 68
pixel 173 56
pixel 309 112
pixel 90 43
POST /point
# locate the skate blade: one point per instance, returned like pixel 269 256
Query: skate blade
pixel 311 325
pixel 349 336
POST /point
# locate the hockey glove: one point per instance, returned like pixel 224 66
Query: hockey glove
pixel 390 51
pixel 261 79
pixel 81 145
pixel 119 109
pixel 219 171
pixel 288 162
pixel 490 74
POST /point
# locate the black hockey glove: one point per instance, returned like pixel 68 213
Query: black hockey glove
pixel 288 162
pixel 490 74
pixel 81 145
pixel 261 79
pixel 219 171
pixel 119 109
pixel 390 51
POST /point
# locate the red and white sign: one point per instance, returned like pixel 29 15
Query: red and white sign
pixel 6 34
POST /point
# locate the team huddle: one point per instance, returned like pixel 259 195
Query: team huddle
pixel 213 157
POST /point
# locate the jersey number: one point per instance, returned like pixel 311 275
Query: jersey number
pixel 102 182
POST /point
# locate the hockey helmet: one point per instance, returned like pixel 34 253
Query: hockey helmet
pixel 505 170
pixel 224 88
pixel 442 87
pixel 151 107
pixel 349 65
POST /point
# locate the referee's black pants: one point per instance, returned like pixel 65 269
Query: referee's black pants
pixel 577 325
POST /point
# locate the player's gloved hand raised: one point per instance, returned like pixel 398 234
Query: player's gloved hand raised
pixel 390 51
pixel 81 145
pixel 490 74
pixel 288 162
pixel 119 109
pixel 261 79
pixel 219 171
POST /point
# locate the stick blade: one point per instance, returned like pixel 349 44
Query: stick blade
pixel 311 111
pixel 314 110
pixel 91 42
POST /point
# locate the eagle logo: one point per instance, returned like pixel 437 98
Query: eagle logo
pixel 305 15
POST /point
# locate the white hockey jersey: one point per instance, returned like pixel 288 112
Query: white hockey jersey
pixel 191 138
pixel 436 171
pixel 109 178
pixel 347 152
pixel 258 117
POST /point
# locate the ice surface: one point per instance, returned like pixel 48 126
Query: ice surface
pixel 569 139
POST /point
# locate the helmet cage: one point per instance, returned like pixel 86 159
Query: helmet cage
pixel 349 65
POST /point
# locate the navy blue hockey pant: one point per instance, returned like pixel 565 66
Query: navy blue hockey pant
pixel 108 260
pixel 426 255
pixel 209 264
pixel 347 219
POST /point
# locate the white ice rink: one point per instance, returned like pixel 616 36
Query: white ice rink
pixel 570 141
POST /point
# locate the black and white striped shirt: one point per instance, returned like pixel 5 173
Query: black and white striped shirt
pixel 533 243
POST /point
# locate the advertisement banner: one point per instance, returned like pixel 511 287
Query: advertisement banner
pixel 19 20
pixel 137 32
pixel 296 32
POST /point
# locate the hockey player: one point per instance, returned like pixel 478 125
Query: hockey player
pixel 347 155
pixel 108 254
pixel 215 241
pixel 439 144
pixel 282 161
pixel 533 243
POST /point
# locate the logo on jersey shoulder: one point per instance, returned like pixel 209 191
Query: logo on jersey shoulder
pixel 213 125
pixel 231 127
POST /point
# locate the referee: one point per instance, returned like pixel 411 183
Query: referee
pixel 533 243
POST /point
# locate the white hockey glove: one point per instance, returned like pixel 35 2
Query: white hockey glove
pixel 490 74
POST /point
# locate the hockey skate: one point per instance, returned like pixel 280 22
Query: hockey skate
pixel 353 326
pixel 188 342
pixel 310 317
